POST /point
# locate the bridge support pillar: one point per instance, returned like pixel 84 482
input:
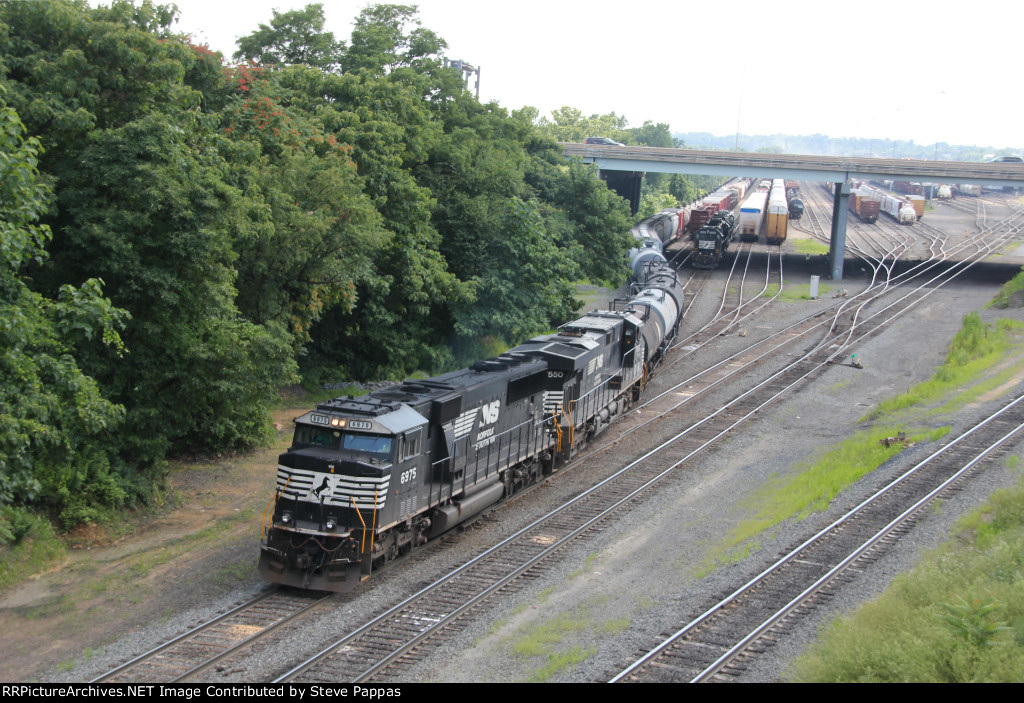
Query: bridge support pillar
pixel 840 209
pixel 627 184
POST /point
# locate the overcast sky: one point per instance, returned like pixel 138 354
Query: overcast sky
pixel 927 71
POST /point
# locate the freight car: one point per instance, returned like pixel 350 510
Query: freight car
pixel 917 202
pixel 367 479
pixel 700 214
pixel 777 219
pixel 752 214
pixel 907 187
pixel 898 209
pixel 706 208
pixel 665 226
pixel 866 204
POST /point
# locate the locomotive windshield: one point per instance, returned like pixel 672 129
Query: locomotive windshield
pixel 316 436
pixel 307 436
pixel 375 444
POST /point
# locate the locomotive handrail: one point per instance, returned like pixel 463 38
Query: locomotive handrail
pixel 373 523
pixel 273 503
pixel 556 417
pixel 572 428
pixel 362 545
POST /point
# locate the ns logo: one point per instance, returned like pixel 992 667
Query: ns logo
pixel 489 413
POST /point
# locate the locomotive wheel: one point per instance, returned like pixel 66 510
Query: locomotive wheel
pixel 389 552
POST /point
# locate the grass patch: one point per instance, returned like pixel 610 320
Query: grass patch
pixel 976 348
pixel 28 545
pixel 550 646
pixel 957 618
pixel 1011 294
pixel 809 246
pixel 587 566
pixel 794 292
pixel 543 639
pixel 536 641
pixel 613 627
pixel 810 488
pixel 558 661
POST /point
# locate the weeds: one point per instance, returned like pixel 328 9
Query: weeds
pixel 1005 298
pixel 958 617
pixel 976 348
pixel 810 488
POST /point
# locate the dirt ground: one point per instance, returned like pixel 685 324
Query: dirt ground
pixel 206 538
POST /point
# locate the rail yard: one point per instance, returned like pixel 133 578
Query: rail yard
pixel 627 544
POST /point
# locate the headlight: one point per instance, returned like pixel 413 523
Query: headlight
pixel 330 525
pixel 286 517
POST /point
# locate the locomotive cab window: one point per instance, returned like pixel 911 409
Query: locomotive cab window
pixel 316 437
pixel 372 444
pixel 409 446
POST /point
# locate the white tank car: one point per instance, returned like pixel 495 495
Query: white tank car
pixel 898 209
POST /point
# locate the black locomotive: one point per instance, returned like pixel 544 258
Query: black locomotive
pixel 369 478
pixel 712 240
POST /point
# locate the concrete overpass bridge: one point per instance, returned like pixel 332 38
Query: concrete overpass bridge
pixel 624 167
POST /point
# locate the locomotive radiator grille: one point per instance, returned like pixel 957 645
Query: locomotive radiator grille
pixel 553 401
pixel 464 423
pixel 333 489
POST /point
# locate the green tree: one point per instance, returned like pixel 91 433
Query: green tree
pixel 657 135
pixel 144 199
pixel 54 423
pixel 151 211
pixel 312 233
pixel 567 124
pixel 388 37
pixel 652 134
pixel 683 189
pixel 391 132
pixel 293 37
pixel 528 288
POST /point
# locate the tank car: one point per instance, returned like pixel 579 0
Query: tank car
pixel 367 479
pixel 645 251
pixel 796 208
pixel 898 209
pixel 665 226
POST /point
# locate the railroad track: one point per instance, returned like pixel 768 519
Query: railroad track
pixel 714 645
pixel 203 647
pixel 389 643
pixel 361 653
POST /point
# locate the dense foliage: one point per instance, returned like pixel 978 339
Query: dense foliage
pixel 181 236
pixel 54 421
